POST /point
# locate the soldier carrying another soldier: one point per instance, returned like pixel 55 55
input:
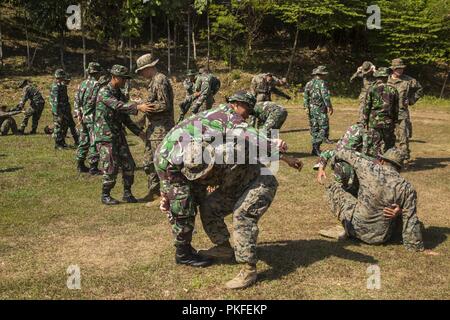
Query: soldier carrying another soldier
pixel 37 102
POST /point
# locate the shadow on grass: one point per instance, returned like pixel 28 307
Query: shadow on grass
pixel 294 130
pixel 420 164
pixel 13 169
pixel 417 141
pixel 434 236
pixel 299 154
pixel 285 257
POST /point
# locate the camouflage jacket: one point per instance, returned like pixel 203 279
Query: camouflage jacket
pixel 59 100
pixel 112 112
pixel 317 95
pixel 30 92
pixel 85 99
pixel 354 139
pixel 409 91
pixel 381 106
pixel 381 186
pixel 161 94
pixel 211 126
pixel 266 113
pixel 261 88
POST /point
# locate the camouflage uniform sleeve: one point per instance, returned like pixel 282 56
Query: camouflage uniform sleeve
pixel 417 92
pixel 395 105
pixel 357 74
pixel 325 156
pixel 368 105
pixel 133 127
pixel 106 97
pixel 306 97
pixel 25 97
pixel 54 99
pixel 412 234
pixel 276 81
pixel 78 101
pixel 356 159
pixel 325 93
pixel 204 90
pixel 162 96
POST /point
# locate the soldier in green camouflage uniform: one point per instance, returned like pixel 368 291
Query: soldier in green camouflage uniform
pixel 37 102
pixel 364 72
pixel 241 188
pixel 317 102
pixel 160 119
pixel 264 84
pixel 381 189
pixel 69 117
pixel 206 87
pixel 410 91
pixel 380 112
pixel 268 115
pixel 188 85
pixel 111 117
pixel 84 106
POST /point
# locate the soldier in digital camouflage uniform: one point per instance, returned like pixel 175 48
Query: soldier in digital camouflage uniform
pixel 264 84
pixel 317 102
pixel 160 119
pixel 380 112
pixel 71 125
pixel 240 188
pixel 410 91
pixel 37 102
pixel 111 117
pixel 384 200
pixel 188 85
pixel 84 107
pixel 268 115
pixel 206 87
pixel 364 72
pixel 7 122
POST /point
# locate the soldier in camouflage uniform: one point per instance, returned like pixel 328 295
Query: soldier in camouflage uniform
pixel 37 102
pixel 268 115
pixel 264 84
pixel 364 72
pixel 160 119
pixel 7 122
pixel 240 188
pixel 410 91
pixel 84 106
pixel 317 102
pixel 380 112
pixel 188 85
pixel 206 87
pixel 384 199
pixel 71 125
pixel 111 117
pixel 59 102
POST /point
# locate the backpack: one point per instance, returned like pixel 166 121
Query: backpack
pixel 215 84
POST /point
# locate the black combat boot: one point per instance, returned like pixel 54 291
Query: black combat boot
pixel 81 167
pixel 20 132
pixel 128 196
pixel 33 131
pixel 93 170
pixel 185 254
pixel 315 149
pixel 106 197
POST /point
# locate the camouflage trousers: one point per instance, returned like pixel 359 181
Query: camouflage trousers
pixel 86 147
pixel 115 155
pixel 6 125
pixel 34 112
pixel 60 126
pixel 275 122
pixel 319 125
pixel 404 132
pixel 206 105
pixel 247 209
pixel 379 139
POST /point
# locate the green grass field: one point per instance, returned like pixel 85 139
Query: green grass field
pixel 51 217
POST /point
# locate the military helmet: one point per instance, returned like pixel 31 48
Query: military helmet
pixel 320 70
pixel 198 160
pixel 394 156
pixel 120 71
pixel 243 96
pixel 60 74
pixel 397 64
pixel 381 72
pixel 146 61
pixel 23 83
pixel 94 67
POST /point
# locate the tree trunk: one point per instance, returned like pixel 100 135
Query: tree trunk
pixel 188 39
pixel 151 34
pixel 175 39
pixel 293 52
pixel 231 51
pixel 444 85
pixel 209 37
pixel 61 47
pixel 1 44
pixel 168 47
pixel 28 43
pixel 131 53
pixel 194 47
pixel 84 42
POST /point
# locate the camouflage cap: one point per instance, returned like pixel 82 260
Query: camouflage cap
pixel 394 156
pixel 381 72
pixel 243 96
pixel 60 74
pixel 146 61
pixel 120 71
pixel 191 72
pixel 397 64
pixel 23 83
pixel 367 66
pixel 198 160
pixel 320 70
pixel 94 67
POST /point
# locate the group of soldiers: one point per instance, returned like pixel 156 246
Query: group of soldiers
pixel 367 195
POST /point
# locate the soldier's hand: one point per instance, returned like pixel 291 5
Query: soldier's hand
pixel 281 145
pixel 393 211
pixel 331 111
pixel 429 252
pixel 292 162
pixel 164 204
pixel 145 107
pixel 321 175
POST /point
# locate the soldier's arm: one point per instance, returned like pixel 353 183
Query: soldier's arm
pixel 411 233
pixel 395 106
pixel 306 98
pixel 133 127
pixel 280 93
pixel 367 106
pixel 77 102
pixel 357 74
pixel 204 91
pixel 326 96
pixel 25 97
pixel 325 156
pixel 54 100
pixel 417 92
pixel 112 102
pixel 357 160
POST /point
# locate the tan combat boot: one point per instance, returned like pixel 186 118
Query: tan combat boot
pixel 220 251
pixel 336 232
pixel 245 278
